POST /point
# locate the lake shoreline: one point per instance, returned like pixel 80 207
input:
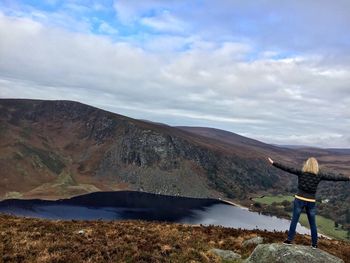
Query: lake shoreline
pixel 132 193
pixel 124 205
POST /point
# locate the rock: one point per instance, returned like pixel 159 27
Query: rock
pixel 254 240
pixel 280 253
pixel 225 254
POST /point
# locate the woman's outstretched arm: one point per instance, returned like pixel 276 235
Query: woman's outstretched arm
pixel 285 168
pixel 334 177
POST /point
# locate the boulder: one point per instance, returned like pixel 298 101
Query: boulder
pixel 255 241
pixel 227 255
pixel 280 253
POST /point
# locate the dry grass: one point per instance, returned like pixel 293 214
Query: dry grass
pixel 37 240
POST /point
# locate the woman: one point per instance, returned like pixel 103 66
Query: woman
pixel 308 180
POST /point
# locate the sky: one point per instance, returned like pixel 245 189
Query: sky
pixel 276 71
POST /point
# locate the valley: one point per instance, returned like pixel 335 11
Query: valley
pixel 60 149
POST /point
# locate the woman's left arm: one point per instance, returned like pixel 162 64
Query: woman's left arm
pixel 334 177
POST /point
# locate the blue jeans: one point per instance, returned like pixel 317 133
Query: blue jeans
pixel 310 208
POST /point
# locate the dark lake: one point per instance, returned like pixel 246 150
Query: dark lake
pixel 146 206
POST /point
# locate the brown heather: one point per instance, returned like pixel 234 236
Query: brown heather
pixel 38 240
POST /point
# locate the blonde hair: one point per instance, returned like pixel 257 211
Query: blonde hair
pixel 311 166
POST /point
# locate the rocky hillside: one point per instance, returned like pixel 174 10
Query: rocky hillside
pixel 56 149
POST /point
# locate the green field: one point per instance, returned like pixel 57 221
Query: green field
pixel 324 225
pixel 268 200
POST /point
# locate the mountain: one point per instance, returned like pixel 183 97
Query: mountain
pixel 232 140
pixel 57 149
pixel 330 158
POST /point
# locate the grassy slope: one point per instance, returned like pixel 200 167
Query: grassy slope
pixel 324 225
pixel 273 198
pixel 37 240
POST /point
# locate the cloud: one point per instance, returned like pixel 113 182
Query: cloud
pixel 329 140
pixel 105 28
pixel 185 73
pixel 294 27
pixel 164 22
pixel 133 10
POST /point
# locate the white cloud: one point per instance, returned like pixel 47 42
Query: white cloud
pixel 164 22
pixel 299 99
pixel 318 139
pixel 129 11
pixel 105 28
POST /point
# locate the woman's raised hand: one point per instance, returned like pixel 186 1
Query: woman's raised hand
pixel 270 160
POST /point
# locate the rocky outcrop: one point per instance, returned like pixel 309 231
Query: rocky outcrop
pixel 153 150
pixel 253 241
pixel 226 255
pixel 280 253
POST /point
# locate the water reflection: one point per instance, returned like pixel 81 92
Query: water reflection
pixel 233 216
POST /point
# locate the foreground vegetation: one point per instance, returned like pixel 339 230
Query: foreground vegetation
pixel 281 205
pixel 38 240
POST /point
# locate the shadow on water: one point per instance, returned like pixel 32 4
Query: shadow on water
pixel 109 206
pixel 122 205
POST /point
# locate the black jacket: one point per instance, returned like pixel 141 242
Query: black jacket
pixel 308 182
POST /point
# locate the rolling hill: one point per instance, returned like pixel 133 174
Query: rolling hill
pixel 54 149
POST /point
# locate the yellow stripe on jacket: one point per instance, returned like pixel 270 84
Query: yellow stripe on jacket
pixel 305 199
